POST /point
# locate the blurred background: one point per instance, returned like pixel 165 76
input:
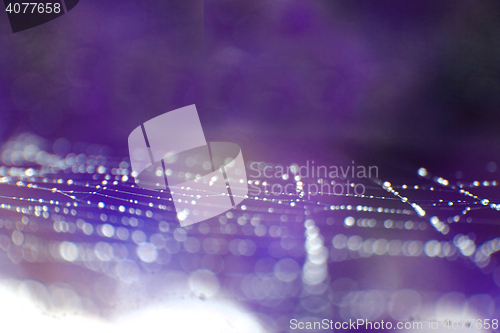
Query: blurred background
pixel 412 88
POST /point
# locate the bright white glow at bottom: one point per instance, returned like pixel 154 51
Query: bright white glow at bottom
pixel 20 313
pixel 191 316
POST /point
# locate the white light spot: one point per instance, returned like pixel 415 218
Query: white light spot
pixel 349 221
pixel 68 251
pixel 422 172
pixel 204 283
pixel 147 252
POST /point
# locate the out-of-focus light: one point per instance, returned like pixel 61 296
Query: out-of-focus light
pixel 422 172
pixel 286 270
pixel 339 241
pixel 432 248
pixel 349 221
pixel 68 251
pixel 147 252
pixel 466 246
pixel 418 209
pixel 108 230
pixel 204 283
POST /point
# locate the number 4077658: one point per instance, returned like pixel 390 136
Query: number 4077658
pixel 33 7
pixel 472 323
